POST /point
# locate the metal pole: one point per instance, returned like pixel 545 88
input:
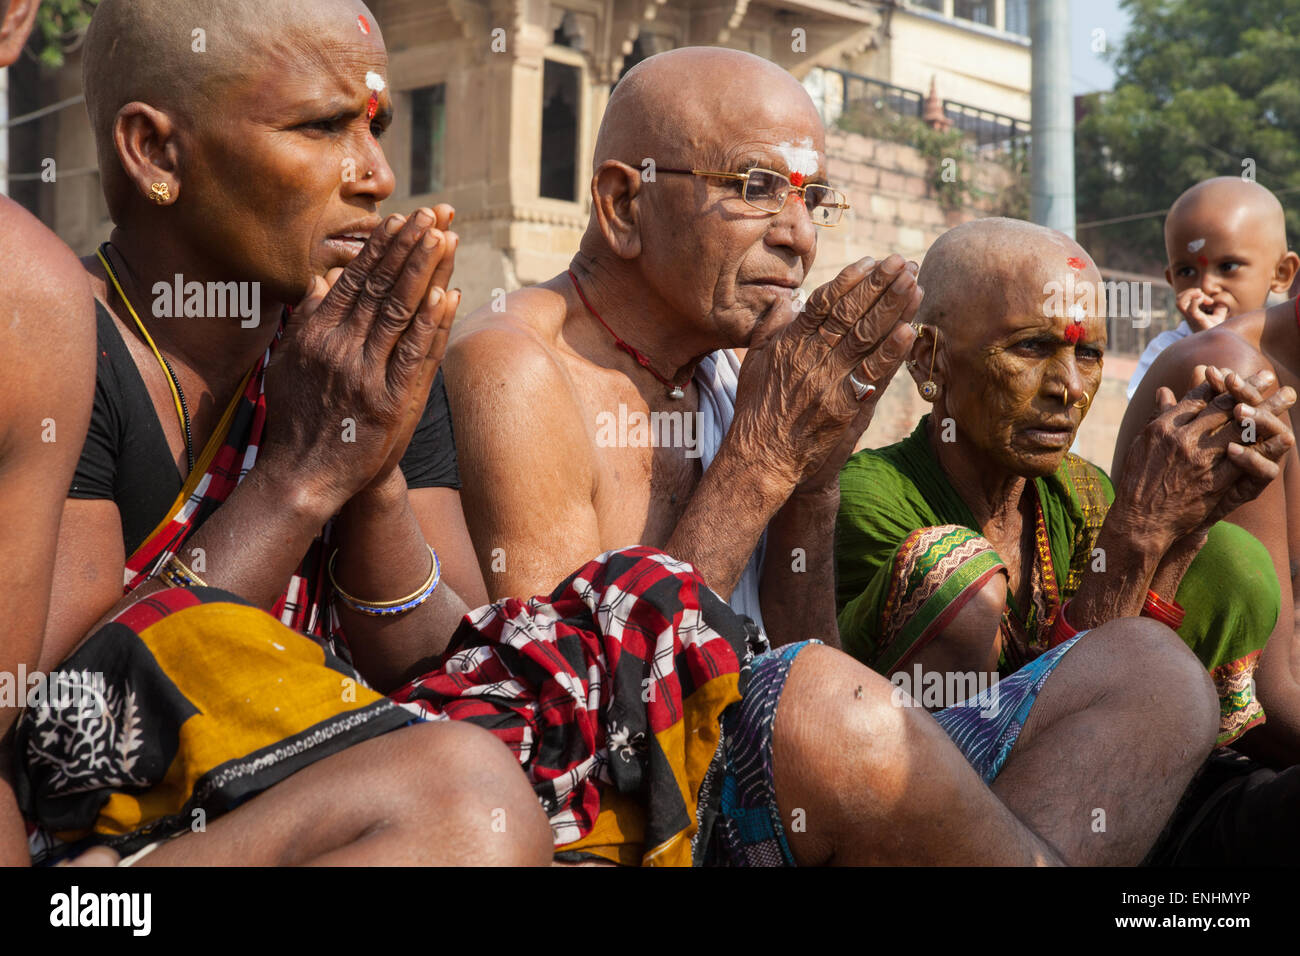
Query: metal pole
pixel 1052 115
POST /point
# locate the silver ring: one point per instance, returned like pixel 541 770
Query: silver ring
pixel 862 390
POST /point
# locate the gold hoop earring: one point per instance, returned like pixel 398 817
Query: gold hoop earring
pixel 161 193
pixel 929 388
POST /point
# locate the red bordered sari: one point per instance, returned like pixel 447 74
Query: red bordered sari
pixel 306 605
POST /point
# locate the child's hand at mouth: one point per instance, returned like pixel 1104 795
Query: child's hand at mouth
pixel 1200 310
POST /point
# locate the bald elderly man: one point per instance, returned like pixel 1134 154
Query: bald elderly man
pixel 611 341
pixel 980 545
pixel 673 272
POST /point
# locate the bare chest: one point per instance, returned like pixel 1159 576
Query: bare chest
pixel 646 460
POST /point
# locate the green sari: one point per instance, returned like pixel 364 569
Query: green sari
pixel 909 555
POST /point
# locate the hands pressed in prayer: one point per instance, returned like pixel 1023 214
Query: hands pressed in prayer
pixel 795 406
pixel 1259 399
pixel 363 347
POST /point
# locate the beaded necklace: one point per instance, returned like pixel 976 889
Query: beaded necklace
pixel 674 390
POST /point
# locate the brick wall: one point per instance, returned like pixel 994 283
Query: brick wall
pixel 895 206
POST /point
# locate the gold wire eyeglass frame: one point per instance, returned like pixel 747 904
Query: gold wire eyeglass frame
pixel 839 204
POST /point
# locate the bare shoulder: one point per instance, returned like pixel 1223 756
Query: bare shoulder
pixel 47 335
pixel 1229 345
pixel 504 374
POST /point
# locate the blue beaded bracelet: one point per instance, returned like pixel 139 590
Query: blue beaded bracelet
pixel 390 608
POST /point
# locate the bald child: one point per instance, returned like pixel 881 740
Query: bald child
pixel 1226 243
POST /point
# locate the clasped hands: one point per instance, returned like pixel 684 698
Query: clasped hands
pixel 348 382
pixel 1201 458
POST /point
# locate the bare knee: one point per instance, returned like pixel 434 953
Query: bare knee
pixel 1147 665
pixel 972 639
pixel 843 745
pixel 473 786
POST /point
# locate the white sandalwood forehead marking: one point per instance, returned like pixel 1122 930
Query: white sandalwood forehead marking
pixel 800 157
pixel 1196 245
pixel 375 82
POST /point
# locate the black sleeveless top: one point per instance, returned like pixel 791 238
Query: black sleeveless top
pixel 126 459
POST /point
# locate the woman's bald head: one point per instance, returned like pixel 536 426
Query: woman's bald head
pixel 260 134
pixel 1019 314
pixel 182 57
pixel 986 265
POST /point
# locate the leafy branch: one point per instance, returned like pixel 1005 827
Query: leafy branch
pixel 60 26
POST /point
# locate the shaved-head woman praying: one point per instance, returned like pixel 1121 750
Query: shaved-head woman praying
pixel 298 455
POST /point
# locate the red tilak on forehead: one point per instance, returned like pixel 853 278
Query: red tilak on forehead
pixel 1074 332
pixel 363 24
pixel 1074 262
pixel 372 107
pixel 796 179
pixel 1203 261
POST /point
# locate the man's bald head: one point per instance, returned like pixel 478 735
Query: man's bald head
pixel 993 264
pixel 682 105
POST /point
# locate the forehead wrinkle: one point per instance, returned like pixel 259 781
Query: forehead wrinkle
pixel 308 72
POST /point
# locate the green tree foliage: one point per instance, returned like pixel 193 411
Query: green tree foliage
pixel 1203 88
pixel 59 25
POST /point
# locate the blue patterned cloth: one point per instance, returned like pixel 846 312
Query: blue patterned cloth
pixel 985 727
pixel 749 824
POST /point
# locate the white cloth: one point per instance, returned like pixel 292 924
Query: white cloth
pixel 1154 348
pixel 716 378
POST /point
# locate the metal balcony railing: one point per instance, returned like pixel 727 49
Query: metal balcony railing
pixel 990 131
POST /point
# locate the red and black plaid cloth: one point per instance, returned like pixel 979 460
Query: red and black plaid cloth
pixel 612 687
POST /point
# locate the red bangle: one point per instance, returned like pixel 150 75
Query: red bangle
pixel 1168 613
pixel 1062 631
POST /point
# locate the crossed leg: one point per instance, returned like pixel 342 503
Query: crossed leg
pixel 1120 726
pixel 1116 735
pixel 442 793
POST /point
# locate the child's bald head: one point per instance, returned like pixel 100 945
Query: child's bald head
pixel 1226 237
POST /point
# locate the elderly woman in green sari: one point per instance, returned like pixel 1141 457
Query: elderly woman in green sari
pixel 980 543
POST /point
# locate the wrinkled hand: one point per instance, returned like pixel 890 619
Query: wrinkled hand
pixel 1199 311
pixel 362 348
pixel 796 411
pixel 420 393
pixel 1258 399
pixel 1190 466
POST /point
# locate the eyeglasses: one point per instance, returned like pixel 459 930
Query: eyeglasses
pixel 768 190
